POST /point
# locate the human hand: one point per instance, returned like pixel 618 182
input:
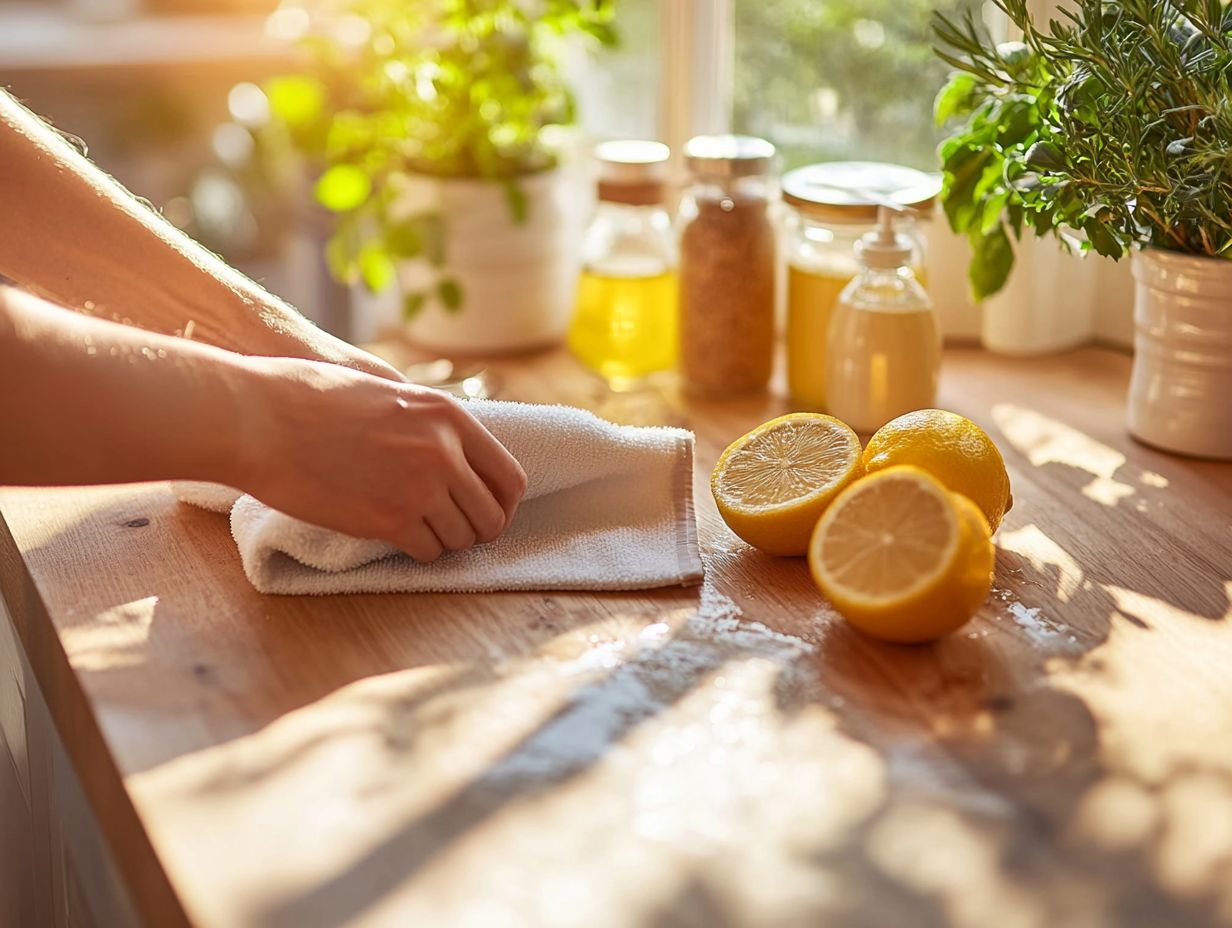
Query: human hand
pixel 374 459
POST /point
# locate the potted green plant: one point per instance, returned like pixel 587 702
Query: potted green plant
pixel 428 127
pixel 1111 127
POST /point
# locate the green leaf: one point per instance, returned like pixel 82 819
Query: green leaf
pixel 432 235
pixel 450 294
pixel 963 172
pixel 342 251
pixel 295 99
pixel 342 188
pixel 993 257
pixel 1103 240
pixel 404 238
pixel 994 206
pixel 376 268
pixel 1045 156
pixel 412 305
pixel 515 196
pixel 1016 57
pixel 340 263
pixel 955 97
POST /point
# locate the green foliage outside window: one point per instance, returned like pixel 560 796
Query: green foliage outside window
pixel 833 80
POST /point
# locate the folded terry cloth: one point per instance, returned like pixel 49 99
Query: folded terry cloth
pixel 607 507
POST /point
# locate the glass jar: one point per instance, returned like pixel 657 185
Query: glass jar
pixel 727 266
pixel 830 207
pixel 883 341
pixel 624 324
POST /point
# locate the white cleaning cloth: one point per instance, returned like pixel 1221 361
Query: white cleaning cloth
pixel 607 507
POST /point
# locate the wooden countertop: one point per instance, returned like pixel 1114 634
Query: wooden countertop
pixel 733 755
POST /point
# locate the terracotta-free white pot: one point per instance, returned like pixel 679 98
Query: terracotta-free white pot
pixel 1047 305
pixel 1180 395
pixel 517 279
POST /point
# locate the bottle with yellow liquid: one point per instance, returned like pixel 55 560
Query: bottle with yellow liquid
pixel 624 325
pixel 884 345
pixel 831 206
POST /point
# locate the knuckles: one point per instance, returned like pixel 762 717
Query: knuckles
pixel 490 529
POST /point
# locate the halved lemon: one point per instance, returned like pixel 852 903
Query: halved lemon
pixel 773 484
pixel 901 557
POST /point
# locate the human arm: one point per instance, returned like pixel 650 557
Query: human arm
pixel 74 235
pixel 85 400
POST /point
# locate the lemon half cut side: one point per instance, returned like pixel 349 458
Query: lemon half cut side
pixel 901 557
pixel 773 484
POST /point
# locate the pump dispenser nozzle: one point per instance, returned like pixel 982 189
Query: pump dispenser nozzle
pixel 884 248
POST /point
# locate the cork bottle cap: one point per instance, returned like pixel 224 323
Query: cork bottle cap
pixel 632 171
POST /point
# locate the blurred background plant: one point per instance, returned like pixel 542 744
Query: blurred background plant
pixel 1114 123
pixel 445 89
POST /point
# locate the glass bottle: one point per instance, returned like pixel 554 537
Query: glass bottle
pixel 884 345
pixel 829 208
pixel 624 324
pixel 727 256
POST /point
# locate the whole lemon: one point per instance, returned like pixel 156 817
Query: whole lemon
pixel 950 447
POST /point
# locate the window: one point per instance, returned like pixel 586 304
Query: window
pixel 618 89
pixel 839 79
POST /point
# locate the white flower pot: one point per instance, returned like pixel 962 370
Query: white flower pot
pixel 1180 395
pixel 1047 304
pixel 517 279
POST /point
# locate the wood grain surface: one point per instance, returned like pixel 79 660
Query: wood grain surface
pixel 729 755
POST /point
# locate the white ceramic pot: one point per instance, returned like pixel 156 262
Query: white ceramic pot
pixel 1180 395
pixel 517 279
pixel 1047 305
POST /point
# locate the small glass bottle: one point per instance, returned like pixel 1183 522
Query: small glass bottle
pixel 727 255
pixel 829 207
pixel 624 324
pixel 884 344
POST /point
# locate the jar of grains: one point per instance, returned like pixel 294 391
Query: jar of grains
pixel 727 266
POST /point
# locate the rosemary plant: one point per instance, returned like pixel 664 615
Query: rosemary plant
pixel 1113 124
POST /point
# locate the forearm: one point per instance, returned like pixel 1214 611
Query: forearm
pixel 74 235
pixel 87 401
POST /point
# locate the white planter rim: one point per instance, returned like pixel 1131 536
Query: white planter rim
pixel 1152 264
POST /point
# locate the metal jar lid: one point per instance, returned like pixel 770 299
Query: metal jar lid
pixel 722 157
pixel 849 191
pixel 632 171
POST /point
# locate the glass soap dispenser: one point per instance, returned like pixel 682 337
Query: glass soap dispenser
pixel 883 353
pixel 624 324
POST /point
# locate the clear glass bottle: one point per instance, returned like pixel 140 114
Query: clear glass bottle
pixel 727 266
pixel 883 354
pixel 829 208
pixel 624 324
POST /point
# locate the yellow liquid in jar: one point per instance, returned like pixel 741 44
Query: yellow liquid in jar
pixel 883 363
pixel 624 327
pixel 811 296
